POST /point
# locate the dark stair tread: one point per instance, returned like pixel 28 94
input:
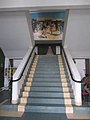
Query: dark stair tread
pixel 46 105
pixel 44 109
pixel 49 91
pixel 47 101
pixel 49 97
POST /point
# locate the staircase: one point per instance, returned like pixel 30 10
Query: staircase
pixel 47 88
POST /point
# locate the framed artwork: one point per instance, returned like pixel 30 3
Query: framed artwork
pixel 47 25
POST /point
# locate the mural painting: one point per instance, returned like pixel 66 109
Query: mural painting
pixel 47 26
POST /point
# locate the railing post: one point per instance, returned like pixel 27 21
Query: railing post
pixel 36 50
pixel 78 98
pixel 19 75
pixel 58 50
pixel 15 92
pixel 75 76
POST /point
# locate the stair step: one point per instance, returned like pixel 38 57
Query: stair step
pixel 37 79
pixel 47 65
pixel 47 72
pixel 51 60
pixel 47 69
pixel 47 102
pixel 48 62
pixel 47 89
pixel 48 94
pixel 47 105
pixel 46 76
pixel 44 109
pixel 48 56
pixel 47 84
pixel 55 62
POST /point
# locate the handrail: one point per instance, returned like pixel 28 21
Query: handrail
pixel 69 67
pixel 15 80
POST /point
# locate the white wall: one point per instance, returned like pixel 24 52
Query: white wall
pixel 16 63
pixel 15 38
pixel 77 37
pixel 80 63
pixel 43 4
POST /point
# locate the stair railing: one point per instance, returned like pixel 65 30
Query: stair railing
pixel 20 74
pixel 74 75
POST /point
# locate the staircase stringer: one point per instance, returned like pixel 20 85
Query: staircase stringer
pixel 66 93
pixel 23 99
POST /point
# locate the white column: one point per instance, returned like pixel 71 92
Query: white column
pixel 78 98
pixel 15 92
pixel 36 50
pixel 76 76
pixel 57 49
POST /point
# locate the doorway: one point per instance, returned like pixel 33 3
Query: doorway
pixel 2 62
pixel 44 49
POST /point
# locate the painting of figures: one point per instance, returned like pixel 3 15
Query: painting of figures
pixel 47 26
